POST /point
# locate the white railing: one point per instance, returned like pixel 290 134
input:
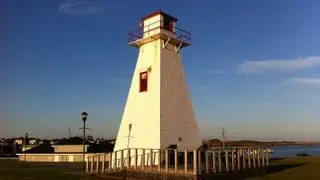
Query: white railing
pixel 174 161
pixel 9 158
pixel 157 27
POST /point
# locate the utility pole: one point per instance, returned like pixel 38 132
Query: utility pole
pixel 223 137
pixel 69 132
pixel 129 136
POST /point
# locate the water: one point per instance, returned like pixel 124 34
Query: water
pixel 292 151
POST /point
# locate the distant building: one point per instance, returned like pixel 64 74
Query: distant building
pixel 53 142
pixel 67 150
pixel 19 141
pixel 112 141
pixel 26 147
pixel 33 141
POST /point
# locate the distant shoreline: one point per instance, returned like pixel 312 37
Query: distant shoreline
pixel 295 144
pixel 218 143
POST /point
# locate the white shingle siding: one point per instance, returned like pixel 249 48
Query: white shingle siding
pixel 143 109
pixel 164 113
pixel 176 111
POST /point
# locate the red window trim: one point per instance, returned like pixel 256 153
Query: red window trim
pixel 143 87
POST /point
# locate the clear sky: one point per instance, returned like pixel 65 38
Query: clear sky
pixel 253 67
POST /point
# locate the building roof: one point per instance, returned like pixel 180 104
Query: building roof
pixel 71 141
pixel 157 13
pixel 48 149
pixel 43 149
pixel 100 148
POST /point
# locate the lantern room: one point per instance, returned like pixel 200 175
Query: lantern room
pixel 157 22
pixel 159 25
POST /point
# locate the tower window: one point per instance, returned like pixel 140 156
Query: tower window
pixel 143 81
pixel 167 23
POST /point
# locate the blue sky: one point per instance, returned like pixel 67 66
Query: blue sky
pixel 253 67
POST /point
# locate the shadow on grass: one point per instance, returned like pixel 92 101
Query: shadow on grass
pixel 250 173
pixel 277 159
pixel 281 167
pixel 235 175
pixel 276 166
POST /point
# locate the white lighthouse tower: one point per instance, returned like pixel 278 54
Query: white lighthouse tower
pixel 158 113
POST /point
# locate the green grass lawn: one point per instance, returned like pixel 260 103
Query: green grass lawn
pixel 293 168
pixel 41 171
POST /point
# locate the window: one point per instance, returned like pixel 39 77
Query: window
pixel 167 23
pixel 143 81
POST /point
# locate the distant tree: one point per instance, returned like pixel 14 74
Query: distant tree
pixel 89 138
pixel 10 141
pixel 214 140
pixel 45 141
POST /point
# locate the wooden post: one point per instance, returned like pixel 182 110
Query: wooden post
pixel 103 163
pixel 185 161
pixel 87 165
pixel 147 158
pixel 98 162
pixel 195 171
pixel 207 161
pixel 91 165
pixel 166 161
pixel 142 159
pixel 254 156
pixel 263 157
pixel 244 153
pixel 227 159
pixel 238 158
pixel 129 158
pixel 122 159
pixel 232 160
pixel 219 161
pixel 249 158
pixel 214 161
pixel 261 154
pixel 115 160
pixel 259 159
pixel 199 163
pixel 136 159
pixel 110 161
pixel 267 159
pixel 176 160
pixel 151 158
pixel 159 160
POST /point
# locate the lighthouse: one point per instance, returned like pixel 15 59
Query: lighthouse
pixel 158 113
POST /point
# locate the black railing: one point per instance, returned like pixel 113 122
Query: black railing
pixel 177 32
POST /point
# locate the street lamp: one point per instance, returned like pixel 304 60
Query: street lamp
pixel 84 116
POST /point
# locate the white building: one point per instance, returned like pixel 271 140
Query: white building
pixel 68 150
pixel 158 109
pixel 18 141
pixel 32 141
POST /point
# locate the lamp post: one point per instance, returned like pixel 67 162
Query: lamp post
pixel 84 116
pixel 129 136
